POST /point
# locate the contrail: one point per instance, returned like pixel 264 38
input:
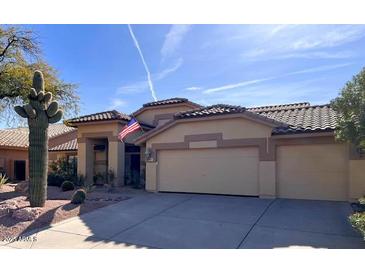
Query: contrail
pixel 149 80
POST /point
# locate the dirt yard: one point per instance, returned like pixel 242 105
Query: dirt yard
pixel 57 208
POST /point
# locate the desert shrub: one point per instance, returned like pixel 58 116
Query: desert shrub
pixel 67 185
pixel 3 179
pixel 358 221
pixel 79 180
pixel 79 196
pixel 55 179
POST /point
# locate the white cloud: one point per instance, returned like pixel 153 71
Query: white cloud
pixel 268 41
pixel 236 85
pixel 261 80
pixel 193 88
pixel 173 39
pixel 116 103
pixel 313 55
pixel 149 80
pixel 268 94
pixel 164 73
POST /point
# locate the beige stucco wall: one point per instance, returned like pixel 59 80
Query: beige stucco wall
pixel 313 172
pixel 7 158
pixel 219 171
pixel 267 179
pixel 148 115
pixel 113 127
pixel 90 134
pixel 231 128
pixel 356 179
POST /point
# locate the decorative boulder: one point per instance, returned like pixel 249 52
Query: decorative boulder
pixel 22 187
pixel 27 213
pixel 8 207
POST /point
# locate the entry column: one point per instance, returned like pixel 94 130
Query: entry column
pixel 116 159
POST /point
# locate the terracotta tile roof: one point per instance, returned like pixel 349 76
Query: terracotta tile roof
pixel 303 119
pixel 18 137
pixel 209 111
pixel 68 146
pixel 294 118
pixel 278 107
pixel 100 116
pixel 166 102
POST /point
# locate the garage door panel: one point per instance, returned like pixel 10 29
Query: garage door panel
pixel 221 171
pixel 312 172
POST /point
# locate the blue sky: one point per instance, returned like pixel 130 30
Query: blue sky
pixel 249 65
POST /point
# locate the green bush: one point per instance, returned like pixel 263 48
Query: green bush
pixel 3 179
pixel 55 179
pixel 67 185
pixel 358 221
pixel 79 196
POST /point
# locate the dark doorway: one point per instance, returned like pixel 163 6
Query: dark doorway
pixel 19 170
pixel 135 169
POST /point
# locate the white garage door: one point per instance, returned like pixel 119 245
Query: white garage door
pixel 312 172
pixel 220 171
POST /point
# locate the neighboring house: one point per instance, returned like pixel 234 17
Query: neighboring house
pixel 286 151
pixel 14 148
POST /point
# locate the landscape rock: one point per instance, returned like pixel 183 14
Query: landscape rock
pixel 27 213
pixel 7 207
pixel 22 187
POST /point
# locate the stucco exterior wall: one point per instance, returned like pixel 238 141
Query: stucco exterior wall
pixel 149 115
pixel 90 134
pixel 231 129
pixel 306 166
pixel 7 158
pixel 112 127
pixel 356 179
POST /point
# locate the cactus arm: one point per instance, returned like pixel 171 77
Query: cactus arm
pixel 56 117
pixel 52 109
pixel 40 96
pixel 47 97
pixel 30 111
pixel 21 112
pixel 32 93
pixel 38 81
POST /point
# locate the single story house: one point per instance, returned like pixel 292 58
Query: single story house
pixel 14 148
pixel 286 151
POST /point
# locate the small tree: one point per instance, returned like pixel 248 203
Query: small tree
pixel 20 56
pixel 350 108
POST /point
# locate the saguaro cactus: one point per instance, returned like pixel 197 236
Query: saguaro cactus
pixel 40 111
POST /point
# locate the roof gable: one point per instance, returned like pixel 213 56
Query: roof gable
pixel 109 115
pixel 165 103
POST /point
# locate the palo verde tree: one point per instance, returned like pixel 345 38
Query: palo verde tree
pixel 40 111
pixel 350 108
pixel 20 56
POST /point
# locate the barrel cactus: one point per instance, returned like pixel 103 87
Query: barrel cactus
pixel 40 111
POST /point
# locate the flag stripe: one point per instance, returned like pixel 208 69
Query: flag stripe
pixel 132 126
pixel 129 130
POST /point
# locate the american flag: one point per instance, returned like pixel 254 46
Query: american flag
pixel 132 126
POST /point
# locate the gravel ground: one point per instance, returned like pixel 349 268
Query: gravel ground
pixel 57 208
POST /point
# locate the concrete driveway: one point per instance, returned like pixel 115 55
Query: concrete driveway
pixel 204 221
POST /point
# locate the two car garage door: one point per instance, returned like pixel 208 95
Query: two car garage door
pixel 302 172
pixel 220 171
